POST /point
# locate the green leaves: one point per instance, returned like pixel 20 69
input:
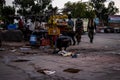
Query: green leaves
pixel 79 9
pixel 31 6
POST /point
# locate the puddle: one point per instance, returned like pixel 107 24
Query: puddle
pixel 21 60
pixel 72 70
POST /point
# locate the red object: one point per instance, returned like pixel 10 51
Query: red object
pixel 20 24
pixel 45 42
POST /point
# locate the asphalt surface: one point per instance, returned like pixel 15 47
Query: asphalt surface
pixel 97 61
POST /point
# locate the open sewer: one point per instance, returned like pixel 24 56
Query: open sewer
pixel 72 70
pixel 21 60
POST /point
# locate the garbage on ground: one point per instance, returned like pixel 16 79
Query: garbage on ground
pixel 72 70
pixel 74 55
pixel 46 71
pixel 23 49
pixel 2 49
pixel 65 53
pixel 13 50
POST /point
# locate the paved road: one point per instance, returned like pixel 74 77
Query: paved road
pixel 11 73
pixel 97 61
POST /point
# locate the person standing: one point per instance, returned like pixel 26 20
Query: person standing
pixel 91 27
pixel 20 24
pixel 79 29
pixel 70 32
pixel 70 23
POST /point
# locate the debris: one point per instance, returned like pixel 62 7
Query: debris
pixel 2 49
pixel 74 55
pixel 23 49
pixel 65 53
pixel 46 71
pixel 13 50
pixel 72 70
pixel 49 72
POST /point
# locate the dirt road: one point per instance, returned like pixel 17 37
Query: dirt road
pixel 97 61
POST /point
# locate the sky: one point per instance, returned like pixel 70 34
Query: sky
pixel 60 3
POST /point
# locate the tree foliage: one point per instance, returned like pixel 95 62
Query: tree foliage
pixel 79 9
pixel 8 10
pixel 103 12
pixel 8 13
pixel 2 2
pixel 28 7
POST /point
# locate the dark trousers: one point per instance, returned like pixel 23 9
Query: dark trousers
pixel 91 35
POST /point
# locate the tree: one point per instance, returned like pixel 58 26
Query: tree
pixel 23 6
pixel 112 8
pixel 35 7
pixel 79 9
pixel 2 2
pixel 103 12
pixel 8 13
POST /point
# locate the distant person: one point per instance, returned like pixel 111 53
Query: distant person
pixel 91 27
pixel 70 31
pixel 79 29
pixel 37 24
pixel 70 23
pixel 20 24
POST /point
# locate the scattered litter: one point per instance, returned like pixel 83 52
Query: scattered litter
pixel 72 70
pixel 13 50
pixel 49 72
pixel 46 71
pixel 74 55
pixel 2 49
pixel 65 53
pixel 23 49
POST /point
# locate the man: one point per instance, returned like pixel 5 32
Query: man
pixel 79 29
pixel 70 23
pixel 91 27
pixel 70 32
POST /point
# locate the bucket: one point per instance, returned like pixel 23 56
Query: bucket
pixel 33 40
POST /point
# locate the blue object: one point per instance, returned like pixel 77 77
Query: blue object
pixel 33 40
pixel 12 27
pixel 74 56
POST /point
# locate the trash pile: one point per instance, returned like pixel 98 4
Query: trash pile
pixel 65 54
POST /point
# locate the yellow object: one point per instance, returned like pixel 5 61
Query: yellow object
pixel 53 18
pixel 53 31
